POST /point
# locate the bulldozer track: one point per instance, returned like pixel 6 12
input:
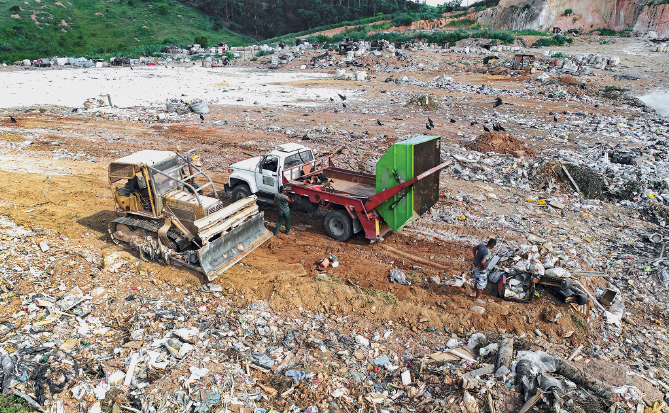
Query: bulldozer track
pixel 154 226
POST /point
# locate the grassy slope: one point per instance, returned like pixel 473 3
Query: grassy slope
pixel 101 27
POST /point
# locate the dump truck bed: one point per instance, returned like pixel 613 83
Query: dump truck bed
pixel 341 181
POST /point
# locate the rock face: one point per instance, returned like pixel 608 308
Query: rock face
pixel 636 15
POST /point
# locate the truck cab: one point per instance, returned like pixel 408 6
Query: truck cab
pixel 261 175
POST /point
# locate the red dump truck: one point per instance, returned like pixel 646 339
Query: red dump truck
pixel 405 186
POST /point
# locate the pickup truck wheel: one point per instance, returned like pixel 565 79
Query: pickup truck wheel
pixel 338 225
pixel 240 192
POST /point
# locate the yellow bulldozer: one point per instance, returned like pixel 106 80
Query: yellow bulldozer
pixel 166 217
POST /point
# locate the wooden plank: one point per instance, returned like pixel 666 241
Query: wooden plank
pixel 229 223
pixel 225 212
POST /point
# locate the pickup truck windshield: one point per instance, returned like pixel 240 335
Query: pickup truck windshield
pixel 299 158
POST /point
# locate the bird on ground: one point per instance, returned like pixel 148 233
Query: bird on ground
pixel 550 112
pixel 486 129
pixel 344 105
pixel 473 123
pixel 378 122
pixel 555 118
pixel 500 128
pixel 430 122
pixel 498 102
pixel 331 100
pixel 427 125
pixel 452 120
pixel 342 97
pixel 495 127
pixel 12 120
pixel 75 110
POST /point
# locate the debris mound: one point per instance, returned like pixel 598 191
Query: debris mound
pixel 423 102
pixel 500 142
pixel 590 183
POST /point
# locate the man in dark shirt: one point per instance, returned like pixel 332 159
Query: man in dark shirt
pixel 281 201
pixel 480 253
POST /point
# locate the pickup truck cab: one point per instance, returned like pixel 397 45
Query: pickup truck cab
pixel 261 175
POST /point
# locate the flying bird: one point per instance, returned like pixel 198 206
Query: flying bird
pixel 378 122
pixel 430 122
pixel 12 120
pixel 342 97
pixel 427 125
pixel 498 102
pixel 486 129
pixel 452 120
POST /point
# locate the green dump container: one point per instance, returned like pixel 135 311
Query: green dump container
pixel 404 161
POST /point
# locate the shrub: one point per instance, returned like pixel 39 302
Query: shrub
pixel 15 8
pixel 11 32
pixel 262 53
pixel 568 12
pixel 163 9
pixel 202 40
pixel 557 40
pixel 606 32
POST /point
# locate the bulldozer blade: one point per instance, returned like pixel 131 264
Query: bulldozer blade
pixel 224 252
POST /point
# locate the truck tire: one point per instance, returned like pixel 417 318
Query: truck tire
pixel 338 225
pixel 241 191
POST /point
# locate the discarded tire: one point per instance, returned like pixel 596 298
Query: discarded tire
pixel 198 106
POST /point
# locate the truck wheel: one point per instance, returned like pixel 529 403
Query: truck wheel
pixel 338 225
pixel 240 192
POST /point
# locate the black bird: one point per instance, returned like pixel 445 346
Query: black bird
pixel 555 118
pixel 75 110
pixel 378 122
pixel 498 102
pixel 342 97
pixel 344 105
pixel 452 120
pixel 551 112
pixel 473 123
pixel 427 125
pixel 201 118
pixel 12 120
pixel 495 127
pixel 501 128
pixel 486 129
pixel 331 100
pixel 430 122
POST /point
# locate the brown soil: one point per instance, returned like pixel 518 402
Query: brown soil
pixel 501 142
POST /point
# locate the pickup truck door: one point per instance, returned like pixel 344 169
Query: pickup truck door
pixel 267 177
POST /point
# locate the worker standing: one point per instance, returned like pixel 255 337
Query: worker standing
pixel 281 201
pixel 480 268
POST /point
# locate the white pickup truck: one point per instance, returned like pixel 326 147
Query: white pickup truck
pixel 261 175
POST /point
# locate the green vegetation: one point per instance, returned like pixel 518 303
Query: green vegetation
pixel 461 23
pixel 12 404
pixel 557 40
pixel 202 40
pixel 579 321
pixel 531 33
pixel 568 12
pixel 657 3
pixel 101 28
pixel 606 32
pixel 262 53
